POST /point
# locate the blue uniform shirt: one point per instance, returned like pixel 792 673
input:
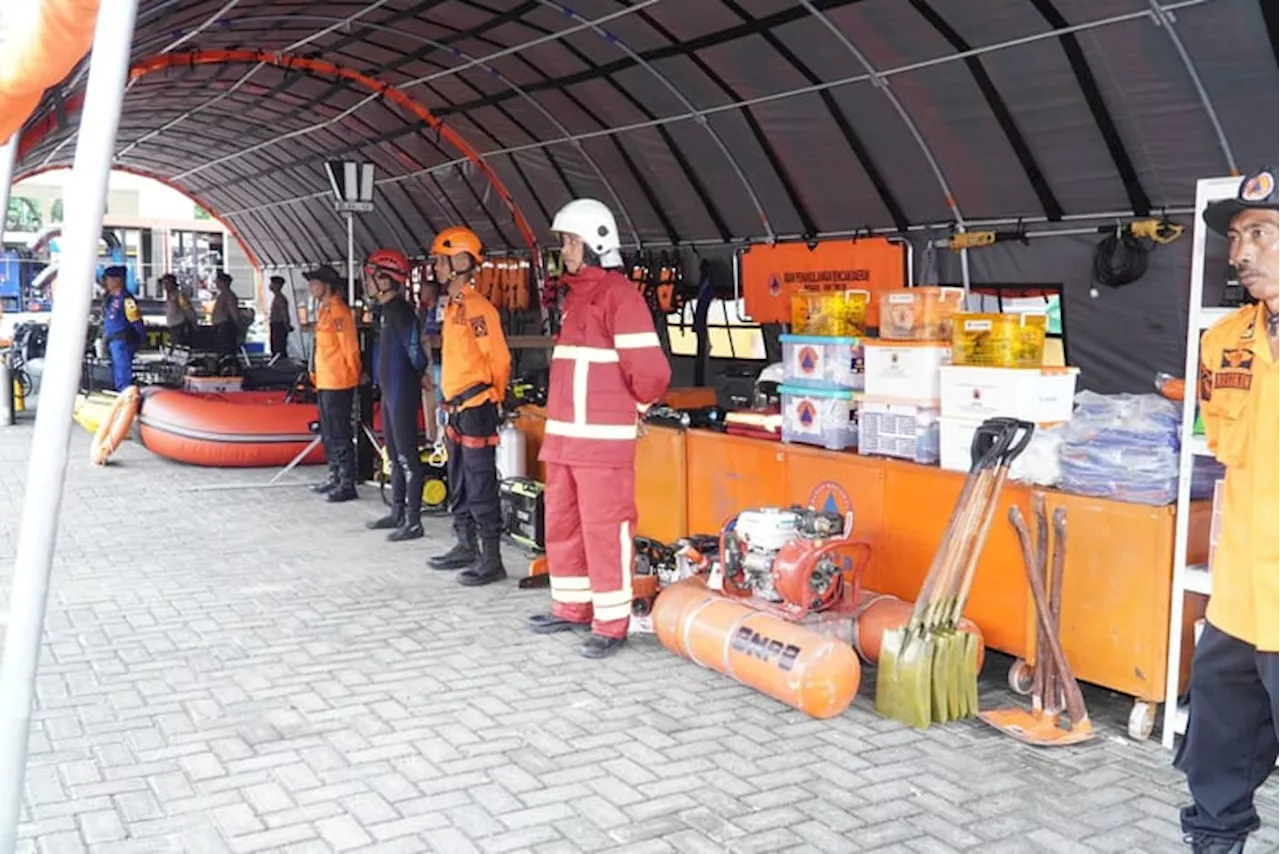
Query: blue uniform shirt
pixel 120 312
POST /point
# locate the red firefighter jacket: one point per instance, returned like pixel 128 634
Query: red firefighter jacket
pixel 607 367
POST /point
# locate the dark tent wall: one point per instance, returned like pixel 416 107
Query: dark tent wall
pixel 707 121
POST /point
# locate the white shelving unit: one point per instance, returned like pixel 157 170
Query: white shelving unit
pixel 1193 578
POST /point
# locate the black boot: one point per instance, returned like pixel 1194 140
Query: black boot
pixel 346 488
pixel 390 522
pixel 549 624
pixel 409 529
pixel 488 569
pixel 1215 845
pixel 328 485
pixel 462 555
pixel 599 646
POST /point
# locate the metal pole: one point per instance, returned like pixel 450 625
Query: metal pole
pixel 47 469
pixel 8 156
pixel 351 260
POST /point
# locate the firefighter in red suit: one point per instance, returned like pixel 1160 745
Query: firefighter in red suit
pixel 607 368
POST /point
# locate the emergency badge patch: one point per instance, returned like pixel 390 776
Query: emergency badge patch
pixel 131 312
pixel 1206 383
pixel 1258 188
pixel 479 327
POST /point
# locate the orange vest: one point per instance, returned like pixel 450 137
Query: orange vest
pixel 337 350
pixel 1238 401
pixel 473 350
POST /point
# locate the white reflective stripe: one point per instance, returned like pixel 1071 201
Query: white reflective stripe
pixel 613 597
pixel 581 376
pixel 611 613
pixel 571 430
pixel 636 340
pixel 570 582
pixel 600 355
pixel 571 597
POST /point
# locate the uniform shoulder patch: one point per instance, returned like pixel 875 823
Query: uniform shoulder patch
pixel 131 312
pixel 479 326
pixel 1205 384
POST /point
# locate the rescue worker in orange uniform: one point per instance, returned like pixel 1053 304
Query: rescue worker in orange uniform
pixel 608 366
pixel 1231 742
pixel 475 370
pixel 335 373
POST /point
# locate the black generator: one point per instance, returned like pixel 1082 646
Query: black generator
pixel 523 511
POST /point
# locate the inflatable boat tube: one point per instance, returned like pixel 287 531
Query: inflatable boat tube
pixel 247 429
pixel 114 427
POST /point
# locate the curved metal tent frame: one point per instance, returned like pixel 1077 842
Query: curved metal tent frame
pixel 711 122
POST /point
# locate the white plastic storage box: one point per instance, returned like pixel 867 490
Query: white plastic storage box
pixel 904 370
pixel 902 429
pixel 1041 395
pixel 1037 464
pixel 817 361
pixel 817 416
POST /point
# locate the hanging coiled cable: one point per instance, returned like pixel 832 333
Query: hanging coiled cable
pixel 1120 258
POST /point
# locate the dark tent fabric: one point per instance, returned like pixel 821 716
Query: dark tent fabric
pixel 710 122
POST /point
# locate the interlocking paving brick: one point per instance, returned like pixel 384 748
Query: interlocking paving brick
pixel 305 687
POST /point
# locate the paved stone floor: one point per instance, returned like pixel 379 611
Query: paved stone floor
pixel 249 670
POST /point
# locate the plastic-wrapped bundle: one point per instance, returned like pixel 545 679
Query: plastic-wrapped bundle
pixel 1122 446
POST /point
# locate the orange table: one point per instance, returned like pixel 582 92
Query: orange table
pixel 1119 568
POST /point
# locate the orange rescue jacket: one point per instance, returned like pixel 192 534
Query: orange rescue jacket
pixel 1239 381
pixel 473 351
pixel 337 350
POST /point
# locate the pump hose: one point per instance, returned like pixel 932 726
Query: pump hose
pixel 1120 259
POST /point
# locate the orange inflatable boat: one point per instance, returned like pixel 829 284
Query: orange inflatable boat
pixel 247 429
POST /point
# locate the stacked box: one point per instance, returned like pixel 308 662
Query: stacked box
pixel 819 361
pixel 998 340
pixel 837 313
pixel 818 416
pixel 919 314
pixel 903 429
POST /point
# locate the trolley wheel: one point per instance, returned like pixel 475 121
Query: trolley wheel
pixel 1021 677
pixel 1142 720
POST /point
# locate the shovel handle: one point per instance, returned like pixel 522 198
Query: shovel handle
pixel 1076 710
pixel 1055 687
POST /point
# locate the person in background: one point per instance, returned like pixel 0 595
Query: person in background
pixel 226 317
pixel 335 374
pixel 1231 742
pixel 475 370
pixel 608 366
pixel 179 314
pixel 279 321
pixel 400 362
pixel 122 327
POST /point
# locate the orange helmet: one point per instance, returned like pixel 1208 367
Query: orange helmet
pixel 455 241
pixel 390 261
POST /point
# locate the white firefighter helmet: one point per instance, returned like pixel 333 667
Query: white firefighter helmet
pixel 594 223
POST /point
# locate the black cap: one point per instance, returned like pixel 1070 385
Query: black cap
pixel 323 273
pixel 115 272
pixel 1257 193
pixel 277 280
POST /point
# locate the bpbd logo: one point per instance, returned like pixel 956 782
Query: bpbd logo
pixel 830 497
pixel 806 414
pixel 808 360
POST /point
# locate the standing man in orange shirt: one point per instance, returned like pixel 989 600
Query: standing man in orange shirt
pixel 1231 742
pixel 476 366
pixel 336 373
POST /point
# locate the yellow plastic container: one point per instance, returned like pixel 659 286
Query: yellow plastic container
pixel 919 314
pixel 837 313
pixel 998 340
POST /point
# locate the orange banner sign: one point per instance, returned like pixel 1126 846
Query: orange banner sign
pixel 771 274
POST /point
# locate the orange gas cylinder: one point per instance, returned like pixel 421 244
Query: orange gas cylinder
pixel 808 671
pixel 879 612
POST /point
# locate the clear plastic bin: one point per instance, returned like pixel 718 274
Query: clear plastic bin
pixel 919 314
pixel 892 428
pixel 818 361
pixel 815 416
pixel 999 340
pixel 842 313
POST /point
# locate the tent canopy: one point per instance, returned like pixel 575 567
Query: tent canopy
pixel 695 120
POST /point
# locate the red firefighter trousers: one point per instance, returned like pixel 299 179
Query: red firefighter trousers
pixel 591 518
